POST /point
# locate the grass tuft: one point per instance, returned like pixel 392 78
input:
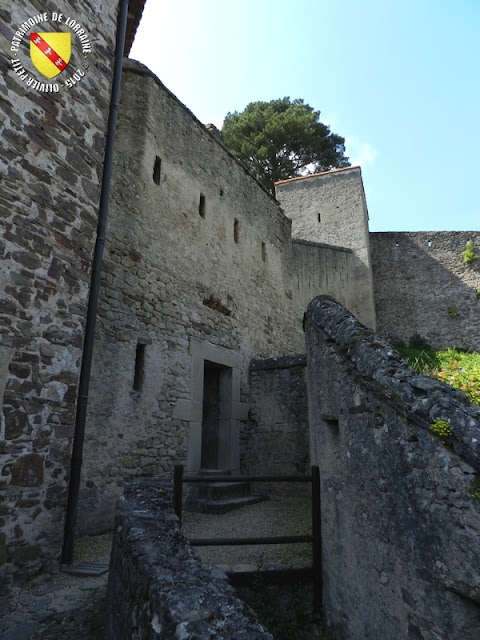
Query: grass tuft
pixel 456 367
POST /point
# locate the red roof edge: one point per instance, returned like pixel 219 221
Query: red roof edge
pixel 314 175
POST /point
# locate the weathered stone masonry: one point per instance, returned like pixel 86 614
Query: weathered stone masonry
pixel 51 167
pixel 330 208
pixel 201 276
pixel 276 439
pixel 400 527
pixel 157 586
pixel 422 286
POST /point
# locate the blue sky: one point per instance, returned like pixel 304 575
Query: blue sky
pixel 399 79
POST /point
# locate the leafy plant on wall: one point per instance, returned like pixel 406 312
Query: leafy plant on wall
pixel 469 254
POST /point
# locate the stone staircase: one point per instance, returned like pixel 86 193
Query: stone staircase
pixel 221 496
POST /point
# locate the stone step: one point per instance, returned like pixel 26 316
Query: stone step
pixel 85 569
pixel 227 504
pixel 214 472
pixel 223 490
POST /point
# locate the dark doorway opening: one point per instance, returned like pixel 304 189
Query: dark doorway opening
pixel 211 414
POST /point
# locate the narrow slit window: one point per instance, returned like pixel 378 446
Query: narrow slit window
pixel 139 367
pixel 333 452
pixel 236 231
pixel 201 206
pixel 319 217
pixel 264 252
pixel 157 168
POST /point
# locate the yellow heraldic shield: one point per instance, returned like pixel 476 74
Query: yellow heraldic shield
pixel 50 52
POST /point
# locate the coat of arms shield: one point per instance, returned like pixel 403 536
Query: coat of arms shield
pixel 50 52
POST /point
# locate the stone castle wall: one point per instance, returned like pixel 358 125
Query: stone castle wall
pixel 276 439
pixel 321 267
pixel 400 526
pixel 198 269
pixel 157 585
pixel 423 286
pixel 51 166
pixel 330 208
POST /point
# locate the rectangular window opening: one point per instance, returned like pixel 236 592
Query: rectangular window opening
pixel 264 252
pixel 236 231
pixel 319 217
pixel 157 167
pixel 201 206
pixel 139 367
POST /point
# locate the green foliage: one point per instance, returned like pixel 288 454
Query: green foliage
pixel 475 488
pixel 452 311
pixel 418 342
pixel 442 429
pixel 424 361
pixel 282 139
pixel 469 254
pixel 460 369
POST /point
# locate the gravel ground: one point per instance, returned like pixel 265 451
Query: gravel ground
pixel 94 549
pixel 62 606
pixel 280 516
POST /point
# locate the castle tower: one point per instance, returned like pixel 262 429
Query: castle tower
pixel 330 208
pixel 53 128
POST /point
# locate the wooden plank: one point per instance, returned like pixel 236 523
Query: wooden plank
pixel 228 542
pixel 200 479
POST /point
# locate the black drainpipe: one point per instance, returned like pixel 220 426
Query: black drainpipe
pixel 82 399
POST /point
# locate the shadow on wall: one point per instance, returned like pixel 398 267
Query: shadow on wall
pixel 422 285
pixel 400 508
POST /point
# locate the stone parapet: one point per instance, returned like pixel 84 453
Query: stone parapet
pixel 157 587
pixel 400 508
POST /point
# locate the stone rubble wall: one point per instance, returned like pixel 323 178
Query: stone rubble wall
pixel 423 286
pixel 330 208
pixel 173 277
pixel 157 586
pixel 275 440
pixel 227 278
pixel 51 160
pixel 323 268
pixel 400 525
pixel 197 252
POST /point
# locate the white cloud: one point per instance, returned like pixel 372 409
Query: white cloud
pixel 360 153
